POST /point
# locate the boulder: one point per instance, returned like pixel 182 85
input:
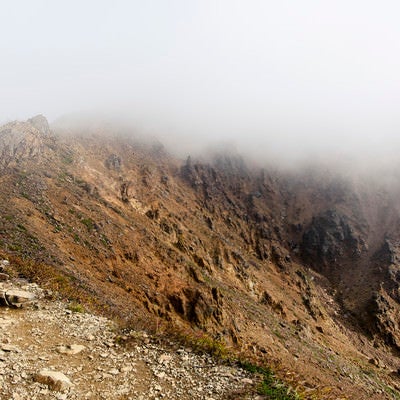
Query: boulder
pixel 17 297
pixel 53 379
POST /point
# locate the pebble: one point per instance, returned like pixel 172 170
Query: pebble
pixel 71 349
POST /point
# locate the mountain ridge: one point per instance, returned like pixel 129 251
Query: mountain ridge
pixel 281 266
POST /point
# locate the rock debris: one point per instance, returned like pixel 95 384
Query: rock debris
pixel 47 352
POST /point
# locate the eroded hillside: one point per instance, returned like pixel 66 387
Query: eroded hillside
pixel 296 270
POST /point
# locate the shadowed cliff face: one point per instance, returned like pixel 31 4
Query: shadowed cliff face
pixel 277 265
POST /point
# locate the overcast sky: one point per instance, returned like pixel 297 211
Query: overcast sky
pixel 280 74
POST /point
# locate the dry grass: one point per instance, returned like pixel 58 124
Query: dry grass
pixel 56 281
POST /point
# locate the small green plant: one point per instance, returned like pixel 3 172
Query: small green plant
pixel 26 195
pixel 270 385
pixel 209 345
pixel 76 307
pixel 15 247
pixel 88 222
pixel 67 158
pixel 105 240
pixel 21 228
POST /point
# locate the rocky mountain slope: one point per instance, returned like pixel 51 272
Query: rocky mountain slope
pixel 298 270
pixel 49 350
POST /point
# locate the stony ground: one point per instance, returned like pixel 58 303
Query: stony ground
pixel 95 363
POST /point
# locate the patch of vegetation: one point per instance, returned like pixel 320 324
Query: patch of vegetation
pixel 57 228
pixel 15 247
pixel 26 196
pixel 392 392
pixel 76 307
pixel 67 158
pixel 21 228
pixel 270 385
pixel 66 286
pixel 206 344
pixel 89 223
pixel 105 240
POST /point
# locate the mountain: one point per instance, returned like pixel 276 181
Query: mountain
pixel 297 269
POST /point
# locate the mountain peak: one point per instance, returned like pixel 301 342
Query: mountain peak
pixel 41 124
pixel 23 140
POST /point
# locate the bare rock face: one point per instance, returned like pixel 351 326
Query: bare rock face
pixel 22 140
pixel 384 316
pixel 41 124
pixel 329 239
pixel 113 162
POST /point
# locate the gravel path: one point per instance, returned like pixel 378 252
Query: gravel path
pixel 87 352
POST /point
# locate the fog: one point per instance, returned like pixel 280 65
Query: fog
pixel 279 79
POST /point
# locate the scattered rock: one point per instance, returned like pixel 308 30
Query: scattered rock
pixel 374 361
pixel 28 343
pixel 164 358
pixel 113 371
pixel 17 297
pixel 10 348
pixel 54 379
pixel 71 349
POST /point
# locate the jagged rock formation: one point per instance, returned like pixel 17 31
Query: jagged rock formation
pixel 280 266
pixel 23 140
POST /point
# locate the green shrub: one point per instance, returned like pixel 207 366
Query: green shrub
pixel 76 307
pixel 270 386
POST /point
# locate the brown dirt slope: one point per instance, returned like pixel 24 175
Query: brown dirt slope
pixel 295 270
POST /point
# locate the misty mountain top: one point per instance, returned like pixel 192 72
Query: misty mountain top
pixel 275 263
pixel 375 166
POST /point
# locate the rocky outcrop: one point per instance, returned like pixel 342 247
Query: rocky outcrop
pixel 383 319
pixel 41 124
pixel 114 162
pixel 330 239
pixel 23 140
